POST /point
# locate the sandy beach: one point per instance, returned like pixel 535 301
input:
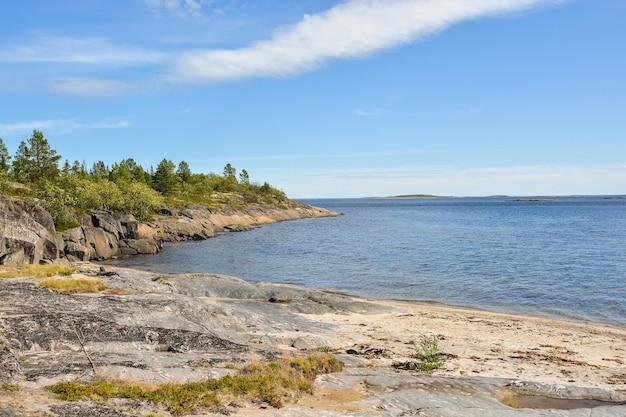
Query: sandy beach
pixel 490 344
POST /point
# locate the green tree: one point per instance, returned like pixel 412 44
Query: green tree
pixel 230 172
pixel 127 171
pixel 79 169
pixel 36 160
pixel 99 170
pixel 265 188
pixel 183 171
pixel 244 178
pixel 165 179
pixel 66 168
pixel 5 158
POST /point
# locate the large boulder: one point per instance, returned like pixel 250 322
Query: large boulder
pixel 107 221
pixel 27 233
pixel 105 244
pixel 139 246
pixel 89 242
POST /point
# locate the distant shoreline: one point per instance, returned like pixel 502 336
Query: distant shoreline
pixel 515 198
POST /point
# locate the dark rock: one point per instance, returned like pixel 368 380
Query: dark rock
pixel 236 228
pixel 103 272
pixel 106 221
pixel 167 211
pixel 79 252
pixel 26 233
pixel 104 244
pixel 139 246
pixel 129 225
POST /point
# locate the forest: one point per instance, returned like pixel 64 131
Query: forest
pixel 68 190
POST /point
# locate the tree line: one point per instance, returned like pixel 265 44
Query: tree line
pixel 70 189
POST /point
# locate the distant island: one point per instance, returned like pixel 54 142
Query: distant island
pixel 417 196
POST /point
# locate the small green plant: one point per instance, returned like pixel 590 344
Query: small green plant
pixel 325 349
pixel 429 358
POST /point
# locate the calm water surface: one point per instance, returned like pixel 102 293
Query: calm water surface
pixel 564 257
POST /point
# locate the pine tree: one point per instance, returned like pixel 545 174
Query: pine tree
pixel 35 160
pixel 165 179
pixel 4 158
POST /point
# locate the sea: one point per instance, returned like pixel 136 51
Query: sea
pixel 562 257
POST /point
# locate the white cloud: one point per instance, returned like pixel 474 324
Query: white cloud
pixel 88 87
pixel 355 28
pixel 57 125
pixel 181 7
pixel 91 51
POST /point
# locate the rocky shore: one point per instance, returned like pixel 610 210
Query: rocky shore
pixel 153 329
pixel 28 235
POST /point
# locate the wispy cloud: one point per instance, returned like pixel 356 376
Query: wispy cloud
pixel 90 51
pixel 352 29
pixel 89 87
pixel 191 8
pixel 325 156
pixel 181 7
pixel 57 125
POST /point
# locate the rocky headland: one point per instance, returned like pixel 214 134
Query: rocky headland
pixel 28 235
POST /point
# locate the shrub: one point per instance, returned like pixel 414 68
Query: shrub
pixel 428 354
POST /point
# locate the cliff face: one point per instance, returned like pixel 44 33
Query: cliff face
pixel 27 233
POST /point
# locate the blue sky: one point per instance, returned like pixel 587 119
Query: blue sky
pixel 327 98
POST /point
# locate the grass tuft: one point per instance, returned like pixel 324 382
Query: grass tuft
pixel 34 270
pixel 81 285
pixel 10 387
pixel 274 383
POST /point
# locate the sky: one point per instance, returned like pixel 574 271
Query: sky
pixel 328 98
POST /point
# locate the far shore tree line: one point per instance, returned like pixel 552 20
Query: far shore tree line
pixel 68 190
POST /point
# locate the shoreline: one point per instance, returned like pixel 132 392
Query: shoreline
pixel 158 328
pixel 475 321
pixel 555 316
pixel 118 263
